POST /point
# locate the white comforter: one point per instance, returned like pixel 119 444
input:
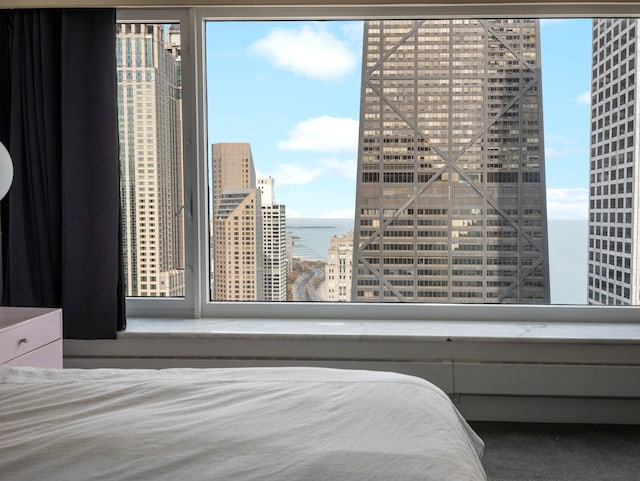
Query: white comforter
pixel 230 424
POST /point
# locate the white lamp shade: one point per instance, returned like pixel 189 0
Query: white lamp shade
pixel 6 171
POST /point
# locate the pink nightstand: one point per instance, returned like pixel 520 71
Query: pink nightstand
pixel 31 336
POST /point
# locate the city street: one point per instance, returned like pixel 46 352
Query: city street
pixel 308 285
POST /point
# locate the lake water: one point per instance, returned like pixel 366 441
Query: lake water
pixel 568 243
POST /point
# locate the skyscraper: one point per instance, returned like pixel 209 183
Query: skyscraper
pixel 450 202
pixel 274 241
pixel 150 123
pixel 614 194
pixel 237 252
pixel 338 270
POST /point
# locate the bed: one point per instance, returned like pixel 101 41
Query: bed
pixel 230 424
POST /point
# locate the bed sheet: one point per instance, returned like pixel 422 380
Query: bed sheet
pixel 230 424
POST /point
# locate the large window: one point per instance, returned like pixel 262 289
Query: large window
pixel 440 161
pixel 421 139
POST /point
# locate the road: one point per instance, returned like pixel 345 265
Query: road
pixel 304 289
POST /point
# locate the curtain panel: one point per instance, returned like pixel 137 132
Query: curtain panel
pixel 61 218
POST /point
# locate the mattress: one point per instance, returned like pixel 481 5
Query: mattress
pixel 230 424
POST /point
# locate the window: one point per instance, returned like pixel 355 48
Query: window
pixel 200 177
pixel 148 72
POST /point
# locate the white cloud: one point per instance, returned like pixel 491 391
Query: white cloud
pixel 297 174
pixel 565 151
pixel 323 134
pixel 293 174
pixel 585 97
pixel 567 203
pixel 311 51
pixel 560 146
pixel 341 168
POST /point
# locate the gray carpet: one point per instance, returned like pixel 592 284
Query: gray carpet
pixel 560 452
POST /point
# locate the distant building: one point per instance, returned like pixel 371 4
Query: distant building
pixel 267 186
pixel 450 200
pixel 274 240
pixel 290 244
pixel 237 252
pixel 338 268
pixel 614 187
pixel 150 124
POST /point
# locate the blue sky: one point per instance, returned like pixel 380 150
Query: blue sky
pixel 292 90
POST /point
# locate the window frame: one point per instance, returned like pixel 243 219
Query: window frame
pixel 196 303
pixel 183 306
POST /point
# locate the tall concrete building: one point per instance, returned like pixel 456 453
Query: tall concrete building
pixel 614 202
pixel 150 123
pixel 274 241
pixel 450 202
pixel 338 269
pixel 237 252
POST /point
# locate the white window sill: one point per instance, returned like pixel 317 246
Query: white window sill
pixel 413 330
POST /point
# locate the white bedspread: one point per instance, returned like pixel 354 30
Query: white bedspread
pixel 230 424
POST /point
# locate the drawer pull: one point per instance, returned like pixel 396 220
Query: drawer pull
pixel 22 341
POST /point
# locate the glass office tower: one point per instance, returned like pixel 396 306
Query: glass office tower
pixel 450 202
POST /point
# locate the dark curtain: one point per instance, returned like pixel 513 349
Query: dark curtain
pixel 61 218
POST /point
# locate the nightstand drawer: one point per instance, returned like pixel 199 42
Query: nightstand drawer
pixel 24 337
pixel 46 356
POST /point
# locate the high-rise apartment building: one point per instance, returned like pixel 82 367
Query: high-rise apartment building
pixel 274 241
pixel 150 123
pixel 338 269
pixel 614 202
pixel 237 252
pixel 450 203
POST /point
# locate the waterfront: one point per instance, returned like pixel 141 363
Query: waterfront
pixel 567 251
pixel 312 236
